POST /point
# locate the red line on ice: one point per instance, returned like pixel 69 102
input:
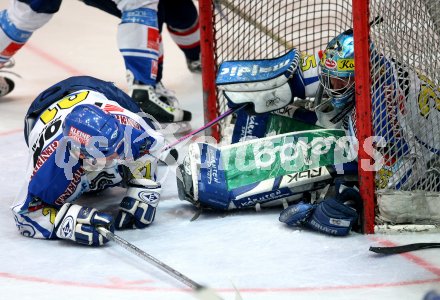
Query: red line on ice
pixel 12 131
pixel 411 257
pixel 53 60
pixel 131 286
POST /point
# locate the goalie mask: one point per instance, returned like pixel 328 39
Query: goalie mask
pixel 90 130
pixel 337 69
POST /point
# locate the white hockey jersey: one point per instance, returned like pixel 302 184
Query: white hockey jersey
pixel 50 184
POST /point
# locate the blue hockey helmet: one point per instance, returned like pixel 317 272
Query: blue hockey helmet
pixel 337 69
pixel 87 121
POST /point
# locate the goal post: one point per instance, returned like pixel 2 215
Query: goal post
pixel 207 44
pixel 397 86
pixel 361 28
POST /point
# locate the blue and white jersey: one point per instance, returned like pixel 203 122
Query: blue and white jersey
pixel 406 116
pixel 55 177
pixel 309 72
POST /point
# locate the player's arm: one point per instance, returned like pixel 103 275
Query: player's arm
pixel 43 213
pixel 138 207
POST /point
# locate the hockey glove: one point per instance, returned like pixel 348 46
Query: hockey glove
pixel 266 83
pixel 78 223
pixel 138 208
pixel 332 216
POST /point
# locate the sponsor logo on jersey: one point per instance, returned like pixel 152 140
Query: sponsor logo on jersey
pixel 44 156
pixel 124 120
pixel 71 188
pixel 79 136
pixel 111 107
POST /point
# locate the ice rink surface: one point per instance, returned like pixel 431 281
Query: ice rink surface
pixel 251 251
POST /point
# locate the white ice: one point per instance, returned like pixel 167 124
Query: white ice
pixel 251 251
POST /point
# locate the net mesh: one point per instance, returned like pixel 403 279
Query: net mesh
pixel 405 93
pixel 247 29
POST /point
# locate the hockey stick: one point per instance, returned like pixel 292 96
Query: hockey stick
pixel 198 288
pixel 404 248
pixel 207 125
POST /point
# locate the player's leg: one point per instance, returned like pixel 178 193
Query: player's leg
pixel 17 23
pixel 182 22
pixel 138 41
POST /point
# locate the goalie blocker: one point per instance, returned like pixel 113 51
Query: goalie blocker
pixel 263 172
pixel 265 83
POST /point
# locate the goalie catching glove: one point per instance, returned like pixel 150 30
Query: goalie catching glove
pixel 333 216
pixel 78 223
pixel 138 208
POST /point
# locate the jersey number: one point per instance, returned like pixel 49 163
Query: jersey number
pixel 65 103
pixel 427 93
pixel 308 62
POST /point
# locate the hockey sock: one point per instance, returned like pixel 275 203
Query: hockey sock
pixel 138 41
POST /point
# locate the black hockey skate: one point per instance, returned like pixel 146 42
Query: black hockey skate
pixel 194 66
pixel 6 84
pixel 160 109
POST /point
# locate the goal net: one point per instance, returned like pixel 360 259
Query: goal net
pixel 402 75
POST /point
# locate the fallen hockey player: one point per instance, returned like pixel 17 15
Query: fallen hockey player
pixel 85 135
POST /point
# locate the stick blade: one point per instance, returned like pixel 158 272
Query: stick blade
pixel 404 248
